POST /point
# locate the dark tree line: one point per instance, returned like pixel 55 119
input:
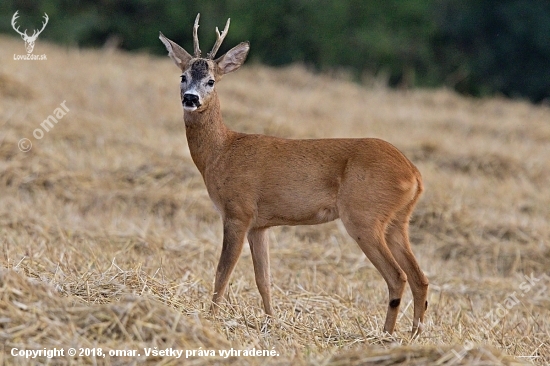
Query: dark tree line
pixel 477 47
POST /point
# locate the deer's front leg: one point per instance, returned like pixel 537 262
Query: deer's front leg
pixel 234 232
pixel 259 246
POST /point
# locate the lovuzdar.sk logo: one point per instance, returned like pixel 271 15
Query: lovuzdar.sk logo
pixel 29 40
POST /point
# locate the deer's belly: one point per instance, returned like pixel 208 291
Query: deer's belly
pixel 295 213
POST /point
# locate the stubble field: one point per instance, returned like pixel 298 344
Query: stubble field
pixel 109 240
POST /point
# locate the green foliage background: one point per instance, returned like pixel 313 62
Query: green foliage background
pixel 477 47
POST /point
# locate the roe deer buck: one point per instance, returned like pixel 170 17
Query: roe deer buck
pixel 259 181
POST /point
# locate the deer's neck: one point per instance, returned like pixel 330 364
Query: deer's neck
pixel 207 135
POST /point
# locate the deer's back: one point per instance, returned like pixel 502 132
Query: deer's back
pixel 268 157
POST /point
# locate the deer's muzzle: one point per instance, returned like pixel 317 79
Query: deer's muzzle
pixel 191 101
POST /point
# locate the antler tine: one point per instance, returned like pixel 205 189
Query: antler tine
pixel 220 39
pixel 196 37
pixel 13 20
pixel 46 21
pixel 36 33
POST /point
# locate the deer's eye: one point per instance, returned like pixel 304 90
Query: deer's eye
pixel 183 79
pixel 210 82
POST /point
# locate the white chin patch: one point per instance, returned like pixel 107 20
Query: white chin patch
pixel 189 109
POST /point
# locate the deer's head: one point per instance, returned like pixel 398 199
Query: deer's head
pixel 199 74
pixel 29 40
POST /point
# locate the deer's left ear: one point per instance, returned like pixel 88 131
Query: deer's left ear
pixel 176 52
pixel 233 59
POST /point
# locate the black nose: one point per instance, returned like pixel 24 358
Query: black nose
pixel 190 99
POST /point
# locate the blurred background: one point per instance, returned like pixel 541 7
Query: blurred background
pixel 476 47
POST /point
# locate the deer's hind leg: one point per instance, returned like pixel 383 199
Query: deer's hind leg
pixel 367 228
pixel 397 238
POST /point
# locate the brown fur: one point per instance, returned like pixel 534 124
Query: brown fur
pixel 259 181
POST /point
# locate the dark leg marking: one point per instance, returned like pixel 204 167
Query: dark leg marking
pixel 395 303
pixel 426 304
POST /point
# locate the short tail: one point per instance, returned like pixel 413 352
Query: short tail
pixel 419 188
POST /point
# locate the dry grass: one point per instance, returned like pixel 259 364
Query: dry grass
pixel 109 238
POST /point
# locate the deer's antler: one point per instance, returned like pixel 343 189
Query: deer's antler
pixel 35 34
pixel 13 20
pixel 220 39
pixel 196 37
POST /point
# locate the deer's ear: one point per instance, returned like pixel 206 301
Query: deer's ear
pixel 176 52
pixel 234 58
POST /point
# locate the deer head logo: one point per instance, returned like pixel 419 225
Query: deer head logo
pixel 29 40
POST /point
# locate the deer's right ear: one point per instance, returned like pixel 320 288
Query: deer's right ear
pixel 176 52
